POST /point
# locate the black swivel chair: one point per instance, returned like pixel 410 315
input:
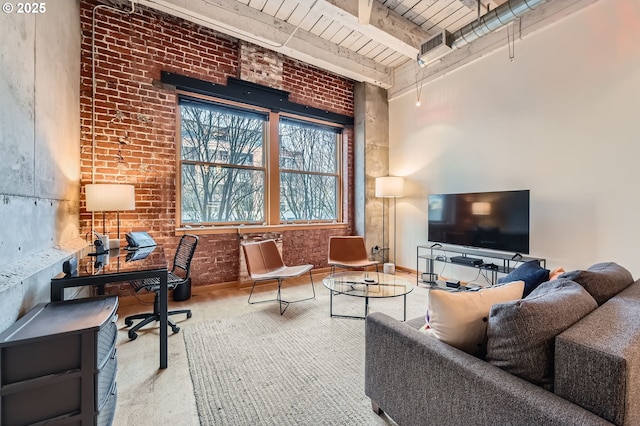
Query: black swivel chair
pixel 179 275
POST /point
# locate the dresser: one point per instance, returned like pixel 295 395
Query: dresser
pixel 58 364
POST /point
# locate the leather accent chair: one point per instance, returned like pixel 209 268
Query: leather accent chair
pixel 264 263
pixel 349 252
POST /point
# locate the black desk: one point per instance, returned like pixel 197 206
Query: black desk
pixel 98 271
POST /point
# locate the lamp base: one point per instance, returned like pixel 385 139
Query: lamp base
pixel 389 268
pixel 105 241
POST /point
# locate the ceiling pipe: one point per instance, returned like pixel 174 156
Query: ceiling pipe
pixel 493 20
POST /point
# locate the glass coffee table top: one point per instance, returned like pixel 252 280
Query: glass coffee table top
pixel 367 285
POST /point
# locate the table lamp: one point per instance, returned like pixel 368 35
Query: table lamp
pixel 390 187
pixel 108 198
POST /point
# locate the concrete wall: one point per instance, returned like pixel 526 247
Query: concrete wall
pixel 559 120
pixel 40 146
pixel 371 160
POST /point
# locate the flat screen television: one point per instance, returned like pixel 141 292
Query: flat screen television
pixel 487 220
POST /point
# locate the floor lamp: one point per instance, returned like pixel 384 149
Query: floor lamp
pixel 390 187
pixel 110 198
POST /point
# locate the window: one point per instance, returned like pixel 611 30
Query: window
pixel 308 171
pixel 226 172
pixel 222 164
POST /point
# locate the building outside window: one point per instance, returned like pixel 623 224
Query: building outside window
pixel 222 164
pixel 309 179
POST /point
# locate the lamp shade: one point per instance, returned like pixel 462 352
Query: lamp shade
pixel 110 197
pixel 389 186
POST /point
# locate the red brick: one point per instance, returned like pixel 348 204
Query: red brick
pixel 131 51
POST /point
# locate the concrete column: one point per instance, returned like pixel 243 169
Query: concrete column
pixel 371 160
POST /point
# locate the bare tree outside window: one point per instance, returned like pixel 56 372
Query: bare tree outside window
pixel 308 171
pixel 225 175
pixel 222 160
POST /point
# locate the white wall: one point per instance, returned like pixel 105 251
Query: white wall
pixel 560 120
pixel 39 151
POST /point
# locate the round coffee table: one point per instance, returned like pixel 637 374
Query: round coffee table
pixel 368 285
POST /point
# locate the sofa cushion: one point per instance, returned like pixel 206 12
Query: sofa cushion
pixel 530 272
pixel 602 280
pixel 459 318
pixel 597 361
pixel 521 333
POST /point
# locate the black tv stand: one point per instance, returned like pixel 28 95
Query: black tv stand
pixel 493 263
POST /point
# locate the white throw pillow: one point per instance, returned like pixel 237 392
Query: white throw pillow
pixel 460 318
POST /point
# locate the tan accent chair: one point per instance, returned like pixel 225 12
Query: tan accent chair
pixel 264 263
pixel 349 252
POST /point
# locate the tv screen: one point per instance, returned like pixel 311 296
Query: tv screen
pixel 489 220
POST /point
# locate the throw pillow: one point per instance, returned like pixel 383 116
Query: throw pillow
pixel 602 280
pixel 530 272
pixel 556 273
pixel 460 318
pixel 521 334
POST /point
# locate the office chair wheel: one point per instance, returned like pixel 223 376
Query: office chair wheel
pixel 189 315
pixel 175 329
pixel 133 335
pixel 128 322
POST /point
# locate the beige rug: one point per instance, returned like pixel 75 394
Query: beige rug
pixel 302 368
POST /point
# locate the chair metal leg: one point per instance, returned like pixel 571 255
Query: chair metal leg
pixel 187 312
pixel 279 295
pixel 312 286
pixel 151 318
pixel 250 294
pixel 128 321
pixel 279 298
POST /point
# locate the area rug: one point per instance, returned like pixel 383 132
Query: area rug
pixel 301 368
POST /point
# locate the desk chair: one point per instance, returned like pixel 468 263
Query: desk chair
pixel 349 252
pixel 179 275
pixel 264 263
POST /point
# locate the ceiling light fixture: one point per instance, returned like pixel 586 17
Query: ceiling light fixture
pixel 420 71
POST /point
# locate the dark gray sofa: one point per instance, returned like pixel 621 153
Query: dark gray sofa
pixel 418 380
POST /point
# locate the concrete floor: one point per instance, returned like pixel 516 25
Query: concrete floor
pixel 150 396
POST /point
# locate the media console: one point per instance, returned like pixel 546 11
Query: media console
pixel 493 263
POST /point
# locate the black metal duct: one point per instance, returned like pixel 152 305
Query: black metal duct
pixel 493 20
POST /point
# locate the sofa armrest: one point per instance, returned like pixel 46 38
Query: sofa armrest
pixel 417 379
pixel 597 360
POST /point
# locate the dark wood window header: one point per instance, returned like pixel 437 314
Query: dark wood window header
pixel 253 94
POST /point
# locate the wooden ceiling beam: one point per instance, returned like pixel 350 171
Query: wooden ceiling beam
pixel 364 11
pixel 246 23
pixel 386 26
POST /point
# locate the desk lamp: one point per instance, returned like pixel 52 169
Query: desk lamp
pixel 107 198
pixel 390 187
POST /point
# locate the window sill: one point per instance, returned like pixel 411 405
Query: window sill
pixel 249 229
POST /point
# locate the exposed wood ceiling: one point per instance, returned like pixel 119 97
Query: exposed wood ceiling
pixel 360 39
pixel 374 41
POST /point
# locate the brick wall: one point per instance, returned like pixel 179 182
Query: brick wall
pixel 135 123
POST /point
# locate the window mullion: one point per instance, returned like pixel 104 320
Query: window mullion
pixel 273 170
